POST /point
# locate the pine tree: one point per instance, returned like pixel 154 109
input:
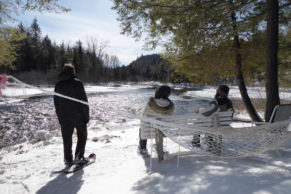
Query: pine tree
pixel 35 41
pixel 272 88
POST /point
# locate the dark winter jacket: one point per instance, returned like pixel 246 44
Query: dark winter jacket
pixel 68 110
pixel 219 104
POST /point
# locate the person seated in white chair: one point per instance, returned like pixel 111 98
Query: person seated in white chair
pixel 221 103
pixel 160 104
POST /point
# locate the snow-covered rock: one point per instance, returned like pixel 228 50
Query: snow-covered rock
pixel 41 135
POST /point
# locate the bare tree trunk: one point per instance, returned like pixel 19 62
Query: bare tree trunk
pixel 239 75
pixel 272 87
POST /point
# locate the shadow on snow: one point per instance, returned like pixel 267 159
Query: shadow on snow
pixel 204 175
pixel 64 183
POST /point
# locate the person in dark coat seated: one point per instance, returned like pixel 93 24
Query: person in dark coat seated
pixel 221 103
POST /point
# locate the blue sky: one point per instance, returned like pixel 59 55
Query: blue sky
pixel 88 18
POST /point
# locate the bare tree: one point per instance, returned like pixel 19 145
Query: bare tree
pixel 97 46
pixel 114 61
pixel 106 60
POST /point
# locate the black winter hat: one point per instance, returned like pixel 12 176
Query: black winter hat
pixel 223 90
pixel 163 92
pixel 68 69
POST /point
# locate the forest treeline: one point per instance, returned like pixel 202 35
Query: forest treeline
pixel 39 60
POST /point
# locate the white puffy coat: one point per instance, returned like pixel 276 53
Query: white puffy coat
pixel 155 106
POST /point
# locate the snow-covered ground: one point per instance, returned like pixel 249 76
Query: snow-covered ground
pixel 37 150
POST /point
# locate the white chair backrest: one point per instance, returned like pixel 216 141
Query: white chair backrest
pixel 189 121
pixel 225 118
pixel 281 112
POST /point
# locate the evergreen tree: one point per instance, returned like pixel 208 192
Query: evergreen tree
pixel 48 55
pixel 35 41
pixel 62 57
pixel 272 88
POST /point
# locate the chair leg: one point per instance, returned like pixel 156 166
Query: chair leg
pixel 159 145
pixel 151 149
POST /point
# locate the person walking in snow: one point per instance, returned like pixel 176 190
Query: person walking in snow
pixel 72 114
pixel 160 104
pixel 221 103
